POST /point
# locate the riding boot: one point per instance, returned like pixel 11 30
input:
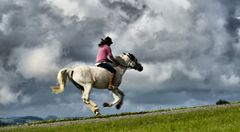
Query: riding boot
pixel 110 83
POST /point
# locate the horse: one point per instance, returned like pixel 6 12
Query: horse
pixel 87 77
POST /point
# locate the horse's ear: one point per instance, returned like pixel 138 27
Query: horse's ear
pixel 131 56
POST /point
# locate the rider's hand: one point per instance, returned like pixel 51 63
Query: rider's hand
pixel 109 61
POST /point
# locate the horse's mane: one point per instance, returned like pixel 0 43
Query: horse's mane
pixel 120 60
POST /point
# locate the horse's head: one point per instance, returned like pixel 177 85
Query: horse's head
pixel 132 61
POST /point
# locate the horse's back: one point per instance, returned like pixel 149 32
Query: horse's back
pixel 82 74
pixel 91 74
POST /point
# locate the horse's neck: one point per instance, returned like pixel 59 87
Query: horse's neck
pixel 120 70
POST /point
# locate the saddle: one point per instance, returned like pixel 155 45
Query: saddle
pixel 108 66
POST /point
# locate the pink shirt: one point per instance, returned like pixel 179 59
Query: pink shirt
pixel 103 52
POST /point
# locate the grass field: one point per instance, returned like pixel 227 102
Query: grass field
pixel 212 119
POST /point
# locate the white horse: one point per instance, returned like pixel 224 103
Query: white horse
pixel 87 77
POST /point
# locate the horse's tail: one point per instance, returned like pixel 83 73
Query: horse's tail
pixel 62 79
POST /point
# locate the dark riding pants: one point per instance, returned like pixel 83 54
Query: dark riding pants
pixel 107 67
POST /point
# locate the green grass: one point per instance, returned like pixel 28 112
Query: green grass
pixel 206 120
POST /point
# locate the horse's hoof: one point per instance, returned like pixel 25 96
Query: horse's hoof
pixel 98 114
pixel 118 106
pixel 106 105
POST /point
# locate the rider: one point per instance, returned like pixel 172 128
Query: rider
pixel 104 51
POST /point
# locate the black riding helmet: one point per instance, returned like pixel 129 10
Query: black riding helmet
pixel 107 40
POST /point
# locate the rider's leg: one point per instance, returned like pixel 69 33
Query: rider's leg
pixel 111 76
pixel 111 81
pixel 111 85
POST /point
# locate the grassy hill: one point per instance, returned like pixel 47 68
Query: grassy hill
pixel 221 118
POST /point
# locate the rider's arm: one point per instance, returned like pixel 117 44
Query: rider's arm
pixel 109 54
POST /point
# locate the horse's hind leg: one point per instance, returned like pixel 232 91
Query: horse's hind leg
pixel 93 106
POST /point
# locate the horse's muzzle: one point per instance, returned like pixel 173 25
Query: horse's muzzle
pixel 140 68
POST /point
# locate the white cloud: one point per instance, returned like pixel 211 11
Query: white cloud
pixel 7 96
pixel 4 27
pixel 159 17
pixel 230 80
pixel 69 7
pixel 182 3
pixel 82 9
pixel 38 62
pixel 155 74
pixel 190 71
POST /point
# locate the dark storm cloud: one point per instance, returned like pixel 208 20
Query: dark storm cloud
pixel 231 5
pixel 7 6
pixel 232 23
pixel 6 41
pixel 203 42
pixel 133 10
pixel 189 50
pixel 80 38
pixel 27 29
pixel 32 24
pixel 168 45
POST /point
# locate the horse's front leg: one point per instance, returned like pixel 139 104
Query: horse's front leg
pixel 118 106
pixel 118 99
pixel 85 97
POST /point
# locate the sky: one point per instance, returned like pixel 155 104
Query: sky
pixel 189 49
